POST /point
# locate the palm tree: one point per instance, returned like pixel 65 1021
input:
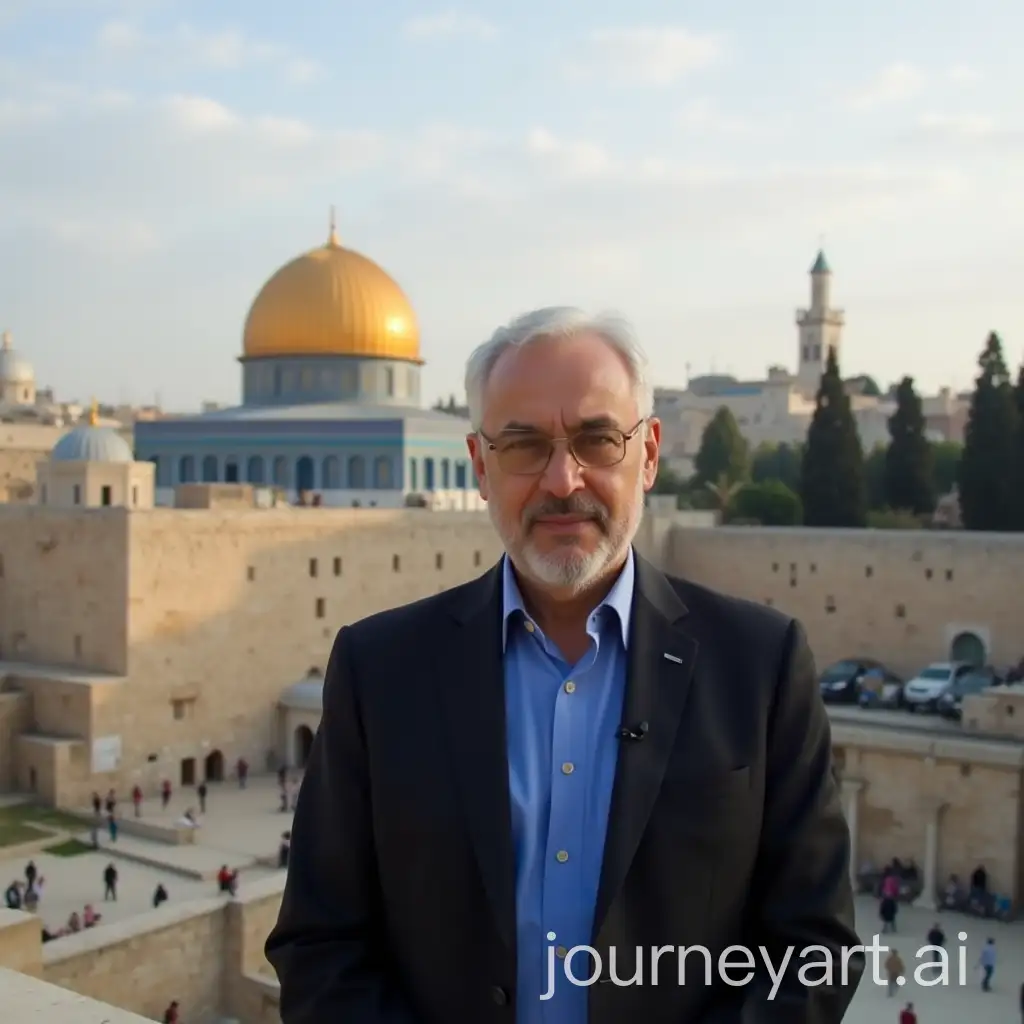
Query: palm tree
pixel 724 492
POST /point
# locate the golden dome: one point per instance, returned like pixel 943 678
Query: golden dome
pixel 332 301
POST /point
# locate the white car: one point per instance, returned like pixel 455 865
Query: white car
pixel 922 693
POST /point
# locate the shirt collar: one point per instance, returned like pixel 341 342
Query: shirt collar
pixel 619 599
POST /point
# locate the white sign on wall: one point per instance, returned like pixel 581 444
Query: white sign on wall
pixel 106 754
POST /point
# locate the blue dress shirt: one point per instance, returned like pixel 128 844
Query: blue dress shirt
pixel 562 722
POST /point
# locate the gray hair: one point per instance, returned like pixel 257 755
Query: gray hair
pixel 557 322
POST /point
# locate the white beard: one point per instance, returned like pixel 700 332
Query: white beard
pixel 571 569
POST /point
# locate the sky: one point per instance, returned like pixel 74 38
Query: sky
pixel 677 162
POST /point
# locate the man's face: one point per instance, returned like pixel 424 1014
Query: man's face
pixel 562 523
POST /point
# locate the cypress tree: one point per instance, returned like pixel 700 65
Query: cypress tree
pixel 832 485
pixel 724 452
pixel 1018 478
pixel 909 473
pixel 987 474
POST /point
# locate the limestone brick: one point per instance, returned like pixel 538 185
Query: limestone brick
pixel 897 595
pixel 63 586
pixel 27 999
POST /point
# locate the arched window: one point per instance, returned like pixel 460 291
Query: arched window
pixel 356 473
pixel 382 477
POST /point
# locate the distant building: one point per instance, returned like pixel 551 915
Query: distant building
pixel 330 399
pixel 778 409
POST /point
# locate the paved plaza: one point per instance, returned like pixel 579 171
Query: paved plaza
pixel 953 1004
pixel 242 826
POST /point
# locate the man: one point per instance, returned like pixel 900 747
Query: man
pixel 573 750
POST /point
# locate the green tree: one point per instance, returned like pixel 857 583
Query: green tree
pixel 987 472
pixel 723 451
pixel 723 492
pixel 1018 474
pixel 770 503
pixel 945 465
pixel 909 479
pixel 777 462
pixel 668 481
pixel 832 485
pixel 874 476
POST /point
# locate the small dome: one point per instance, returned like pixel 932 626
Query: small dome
pixel 92 444
pixel 306 695
pixel 13 368
pixel 332 301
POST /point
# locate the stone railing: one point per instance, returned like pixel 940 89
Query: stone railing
pixel 28 1000
pixel 207 954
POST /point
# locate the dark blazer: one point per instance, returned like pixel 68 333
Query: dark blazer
pixel 725 824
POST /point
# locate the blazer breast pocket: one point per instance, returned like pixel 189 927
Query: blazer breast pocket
pixel 709 803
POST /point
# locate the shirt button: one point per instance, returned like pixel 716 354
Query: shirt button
pixel 561 856
pixel 560 952
pixel 570 687
pixel 529 626
pixel 567 768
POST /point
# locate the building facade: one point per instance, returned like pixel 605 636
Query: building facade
pixel 779 408
pixel 330 399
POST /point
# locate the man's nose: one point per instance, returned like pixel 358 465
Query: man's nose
pixel 563 475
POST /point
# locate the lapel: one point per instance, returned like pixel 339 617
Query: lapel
pixel 470 676
pixel 656 691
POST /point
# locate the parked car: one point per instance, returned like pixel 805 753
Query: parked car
pixel 974 681
pixel 923 692
pixel 840 683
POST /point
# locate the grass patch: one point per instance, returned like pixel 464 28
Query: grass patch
pixel 17 832
pixel 47 817
pixel 69 848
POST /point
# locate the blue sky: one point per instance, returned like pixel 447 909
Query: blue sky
pixel 676 161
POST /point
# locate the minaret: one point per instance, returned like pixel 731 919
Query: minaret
pixel 820 328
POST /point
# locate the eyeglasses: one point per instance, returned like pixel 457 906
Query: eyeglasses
pixel 527 453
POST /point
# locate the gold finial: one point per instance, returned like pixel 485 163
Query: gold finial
pixel 94 413
pixel 333 240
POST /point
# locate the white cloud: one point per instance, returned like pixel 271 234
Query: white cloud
pixel 702 117
pixel 449 24
pixel 963 75
pixel 155 162
pixel 647 56
pixel 960 126
pixel 569 159
pixel 895 84
pixel 188 47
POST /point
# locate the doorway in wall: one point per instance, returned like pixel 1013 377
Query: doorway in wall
pixel 968 647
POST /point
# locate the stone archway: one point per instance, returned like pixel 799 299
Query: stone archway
pixel 969 647
pixel 303 745
pixel 213 767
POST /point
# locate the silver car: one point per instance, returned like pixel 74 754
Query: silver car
pixel 922 693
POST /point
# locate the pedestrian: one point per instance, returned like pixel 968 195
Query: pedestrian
pixel 907 1014
pixel 201 793
pixel 894 971
pixel 110 883
pixel 987 963
pixel 936 939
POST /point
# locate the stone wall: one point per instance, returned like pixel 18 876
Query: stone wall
pixel 900 596
pixel 63 586
pixel 967 788
pixel 228 608
pixel 207 954
pixel 28 999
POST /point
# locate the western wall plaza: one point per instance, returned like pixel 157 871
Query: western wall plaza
pixel 169 596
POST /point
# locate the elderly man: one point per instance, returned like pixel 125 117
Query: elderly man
pixel 573 750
